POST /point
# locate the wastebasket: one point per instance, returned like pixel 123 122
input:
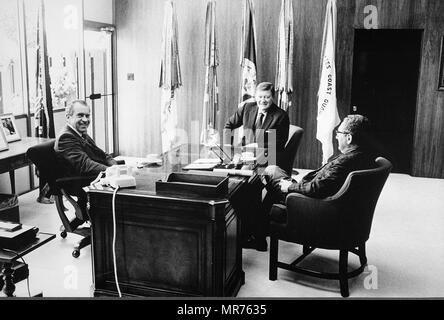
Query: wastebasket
pixel 9 208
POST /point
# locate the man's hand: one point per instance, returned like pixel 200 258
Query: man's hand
pixel 284 184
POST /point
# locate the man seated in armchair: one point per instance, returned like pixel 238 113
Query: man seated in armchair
pixel 354 155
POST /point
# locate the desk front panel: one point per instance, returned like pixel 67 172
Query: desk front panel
pixel 166 247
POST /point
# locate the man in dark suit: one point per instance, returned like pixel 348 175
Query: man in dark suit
pixel 77 151
pixel 259 117
pixel 352 136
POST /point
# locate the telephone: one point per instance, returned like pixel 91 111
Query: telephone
pixel 118 176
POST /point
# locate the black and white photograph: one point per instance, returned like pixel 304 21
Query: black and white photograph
pixel 9 128
pixel 267 150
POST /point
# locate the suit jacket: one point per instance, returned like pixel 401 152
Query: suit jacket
pixel 328 179
pixel 276 119
pixel 80 155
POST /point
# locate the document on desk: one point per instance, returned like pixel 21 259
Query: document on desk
pixel 200 166
pixel 207 161
pixel 235 172
pixel 203 164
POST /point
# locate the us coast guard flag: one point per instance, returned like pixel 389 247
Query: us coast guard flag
pixel 328 117
pixel 170 78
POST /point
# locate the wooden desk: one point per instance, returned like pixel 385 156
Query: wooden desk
pixel 15 157
pixel 167 245
pixel 8 257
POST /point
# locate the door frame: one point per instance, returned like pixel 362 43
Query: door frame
pixel 415 120
pixel 99 26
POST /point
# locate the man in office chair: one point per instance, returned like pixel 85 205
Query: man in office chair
pixel 77 151
pixel 355 154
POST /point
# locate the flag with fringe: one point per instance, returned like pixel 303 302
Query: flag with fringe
pixel 43 108
pixel 248 52
pixel 284 69
pixel 170 78
pixel 328 117
pixel 209 134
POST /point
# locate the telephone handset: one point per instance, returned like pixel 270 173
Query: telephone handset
pixel 118 176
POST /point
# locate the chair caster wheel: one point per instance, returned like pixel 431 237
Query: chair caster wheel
pixel 76 253
pixel 63 234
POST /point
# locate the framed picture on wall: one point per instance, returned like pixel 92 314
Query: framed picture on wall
pixel 9 128
pixel 3 143
pixel 441 67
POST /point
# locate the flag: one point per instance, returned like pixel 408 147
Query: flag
pixel 248 59
pixel 328 117
pixel 210 107
pixel 284 69
pixel 248 52
pixel 170 78
pixel 43 109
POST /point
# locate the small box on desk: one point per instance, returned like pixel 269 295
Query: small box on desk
pixel 194 185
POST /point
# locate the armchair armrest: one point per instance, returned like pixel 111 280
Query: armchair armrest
pixel 309 210
pixel 311 220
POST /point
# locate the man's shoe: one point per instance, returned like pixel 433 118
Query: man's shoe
pixel 260 244
pixel 45 200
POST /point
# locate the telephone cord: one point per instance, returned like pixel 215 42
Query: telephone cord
pixel 114 242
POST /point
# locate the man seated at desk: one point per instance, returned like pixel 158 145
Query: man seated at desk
pixel 76 150
pixel 257 118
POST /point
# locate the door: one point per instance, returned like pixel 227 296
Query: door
pixel 386 68
pixel 99 85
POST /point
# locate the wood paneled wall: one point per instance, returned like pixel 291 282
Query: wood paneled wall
pixel 139 25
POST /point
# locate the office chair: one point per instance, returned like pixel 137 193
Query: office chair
pixel 340 222
pixel 291 147
pixel 44 158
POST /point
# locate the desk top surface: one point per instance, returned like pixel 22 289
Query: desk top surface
pixel 8 256
pixel 146 185
pixel 20 147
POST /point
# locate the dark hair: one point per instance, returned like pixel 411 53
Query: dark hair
pixel 358 126
pixel 265 86
pixel 70 108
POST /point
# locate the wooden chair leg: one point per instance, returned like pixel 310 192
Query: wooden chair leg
pixel 343 281
pixel 274 247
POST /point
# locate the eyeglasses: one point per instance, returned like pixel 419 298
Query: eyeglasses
pixel 342 132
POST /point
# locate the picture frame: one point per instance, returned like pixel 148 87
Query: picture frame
pixel 441 67
pixel 9 128
pixel 3 143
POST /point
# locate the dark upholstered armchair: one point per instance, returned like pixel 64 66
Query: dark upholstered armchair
pixel 44 158
pixel 341 222
pixel 291 147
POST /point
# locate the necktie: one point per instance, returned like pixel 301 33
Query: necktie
pixel 259 121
